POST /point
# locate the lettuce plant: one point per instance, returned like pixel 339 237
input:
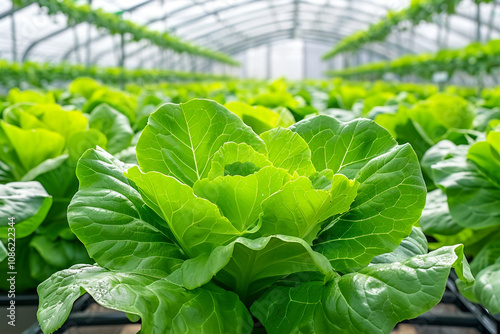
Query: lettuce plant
pixel 307 229
pixel 428 122
pixel 466 207
pixel 260 118
pixel 40 144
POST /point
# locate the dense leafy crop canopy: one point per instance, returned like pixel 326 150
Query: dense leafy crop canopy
pixel 307 228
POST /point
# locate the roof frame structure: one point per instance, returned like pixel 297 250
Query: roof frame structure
pixel 307 35
pixel 416 36
pixel 333 37
pixel 274 37
pixel 252 15
pixel 200 17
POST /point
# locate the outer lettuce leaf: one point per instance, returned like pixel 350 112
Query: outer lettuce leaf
pixel 52 117
pixel 486 268
pixel 486 290
pixel 488 256
pixel 114 125
pixel 180 140
pixel 343 147
pixel 486 155
pixel 81 141
pixel 163 306
pixel 473 240
pixel 50 254
pixel 16 96
pixel 27 202
pixel 445 149
pixel 59 180
pixel 49 145
pixel 372 300
pixel 120 101
pixel 413 245
pixel 390 199
pixel 441 112
pixel 110 218
pixel 474 200
pixel 436 217
pixel 83 87
pixel 260 118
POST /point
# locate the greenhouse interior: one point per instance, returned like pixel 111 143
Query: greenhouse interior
pixel 249 166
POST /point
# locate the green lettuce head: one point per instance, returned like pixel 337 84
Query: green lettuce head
pixel 308 228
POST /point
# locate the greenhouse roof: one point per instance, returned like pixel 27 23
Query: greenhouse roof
pixel 232 26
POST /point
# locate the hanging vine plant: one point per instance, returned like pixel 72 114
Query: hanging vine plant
pixel 114 24
pixel 39 74
pixel 418 11
pixel 474 59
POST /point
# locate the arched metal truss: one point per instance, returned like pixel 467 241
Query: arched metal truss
pixel 234 26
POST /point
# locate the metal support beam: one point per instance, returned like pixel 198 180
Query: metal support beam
pixel 320 36
pixel 278 36
pixel 491 21
pixel 268 61
pixel 283 34
pixel 122 51
pixel 13 32
pixel 478 22
pixel 296 4
pixel 8 12
pixel 447 36
pixel 88 43
pixel 304 60
pixel 258 15
pixel 77 42
pixel 226 35
pixel 439 39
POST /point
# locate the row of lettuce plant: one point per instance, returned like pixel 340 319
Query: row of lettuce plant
pixel 475 59
pixel 114 24
pixel 41 74
pixel 417 12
